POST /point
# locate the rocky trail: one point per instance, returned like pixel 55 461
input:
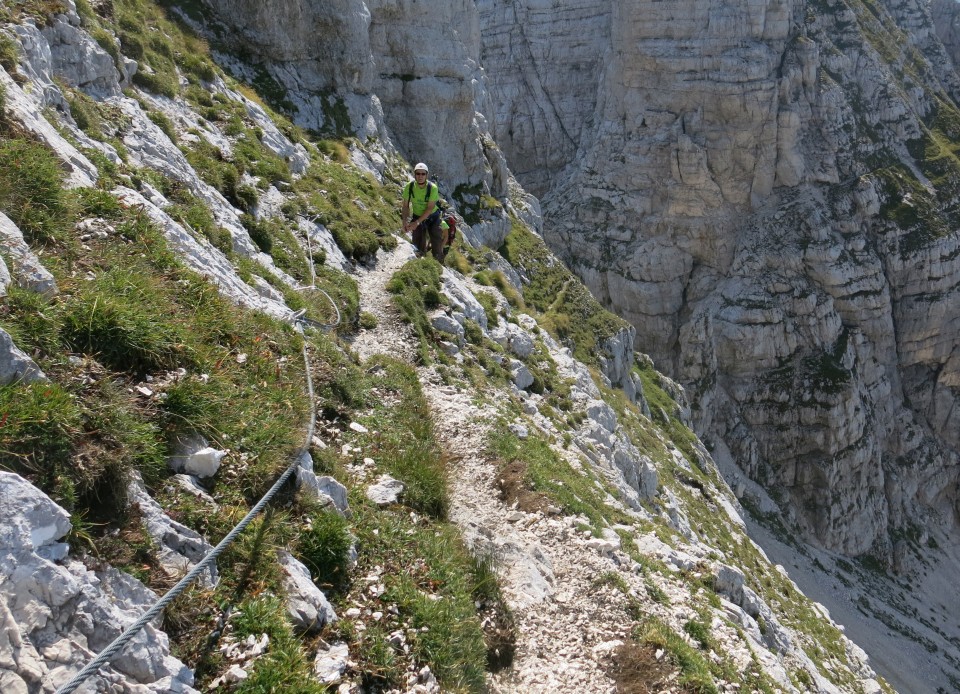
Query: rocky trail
pixel 566 621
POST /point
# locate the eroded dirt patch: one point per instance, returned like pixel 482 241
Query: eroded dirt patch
pixel 636 670
pixel 515 491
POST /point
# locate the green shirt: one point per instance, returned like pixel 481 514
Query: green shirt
pixel 418 200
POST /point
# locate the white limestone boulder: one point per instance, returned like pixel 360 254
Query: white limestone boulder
pixel 15 365
pixel 29 519
pixel 385 491
pixel 179 548
pixel 322 240
pixel 461 298
pixel 25 269
pixel 307 606
pixel 331 662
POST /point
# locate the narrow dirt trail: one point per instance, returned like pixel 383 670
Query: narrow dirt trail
pixel 391 335
pixel 567 621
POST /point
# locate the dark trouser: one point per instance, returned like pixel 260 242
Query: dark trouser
pixel 429 230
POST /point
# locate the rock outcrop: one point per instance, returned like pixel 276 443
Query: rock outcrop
pixel 55 612
pixel 384 71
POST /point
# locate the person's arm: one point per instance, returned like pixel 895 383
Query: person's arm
pixel 431 204
pixel 405 210
pixel 426 213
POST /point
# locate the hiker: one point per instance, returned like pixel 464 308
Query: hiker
pixel 420 213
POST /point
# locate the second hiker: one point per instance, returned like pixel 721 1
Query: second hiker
pixel 421 215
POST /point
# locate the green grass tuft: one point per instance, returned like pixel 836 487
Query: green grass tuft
pixel 9 53
pixel 546 472
pixel 430 576
pixel 324 548
pixel 416 288
pixel 567 309
pixel 285 667
pixel 32 192
pixel 124 323
pixel 405 443
pixel 694 668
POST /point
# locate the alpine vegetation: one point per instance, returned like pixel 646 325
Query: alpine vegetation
pixel 391 470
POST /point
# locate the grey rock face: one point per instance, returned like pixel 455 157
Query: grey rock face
pixel 385 491
pixel 321 239
pixel 29 113
pixel 520 374
pixel 548 58
pixel 78 59
pixel 179 548
pixel 54 618
pixel 307 606
pixel 393 79
pixel 946 24
pixel 5 278
pixel 25 269
pixel 732 209
pixel 446 324
pixel 31 519
pixel 461 298
pixel 204 258
pixel 325 490
pixel 331 662
pixel 514 338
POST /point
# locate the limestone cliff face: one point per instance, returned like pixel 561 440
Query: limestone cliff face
pixel 766 191
pixel 402 77
pixel 548 58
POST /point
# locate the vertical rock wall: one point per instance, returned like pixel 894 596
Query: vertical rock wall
pixel 752 191
pixel 406 73
pixel 546 60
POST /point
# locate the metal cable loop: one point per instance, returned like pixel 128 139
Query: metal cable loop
pixel 148 616
pixel 104 657
pixel 317 324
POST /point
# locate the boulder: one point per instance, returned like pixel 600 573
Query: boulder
pixel 29 519
pixel 386 491
pixel 307 606
pixel 461 298
pixel 15 365
pixel 25 269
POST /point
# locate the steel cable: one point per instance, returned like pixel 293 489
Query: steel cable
pixel 114 647
pixel 118 643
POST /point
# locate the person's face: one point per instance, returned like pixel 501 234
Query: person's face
pixel 421 176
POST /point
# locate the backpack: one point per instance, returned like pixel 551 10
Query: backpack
pixel 451 228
